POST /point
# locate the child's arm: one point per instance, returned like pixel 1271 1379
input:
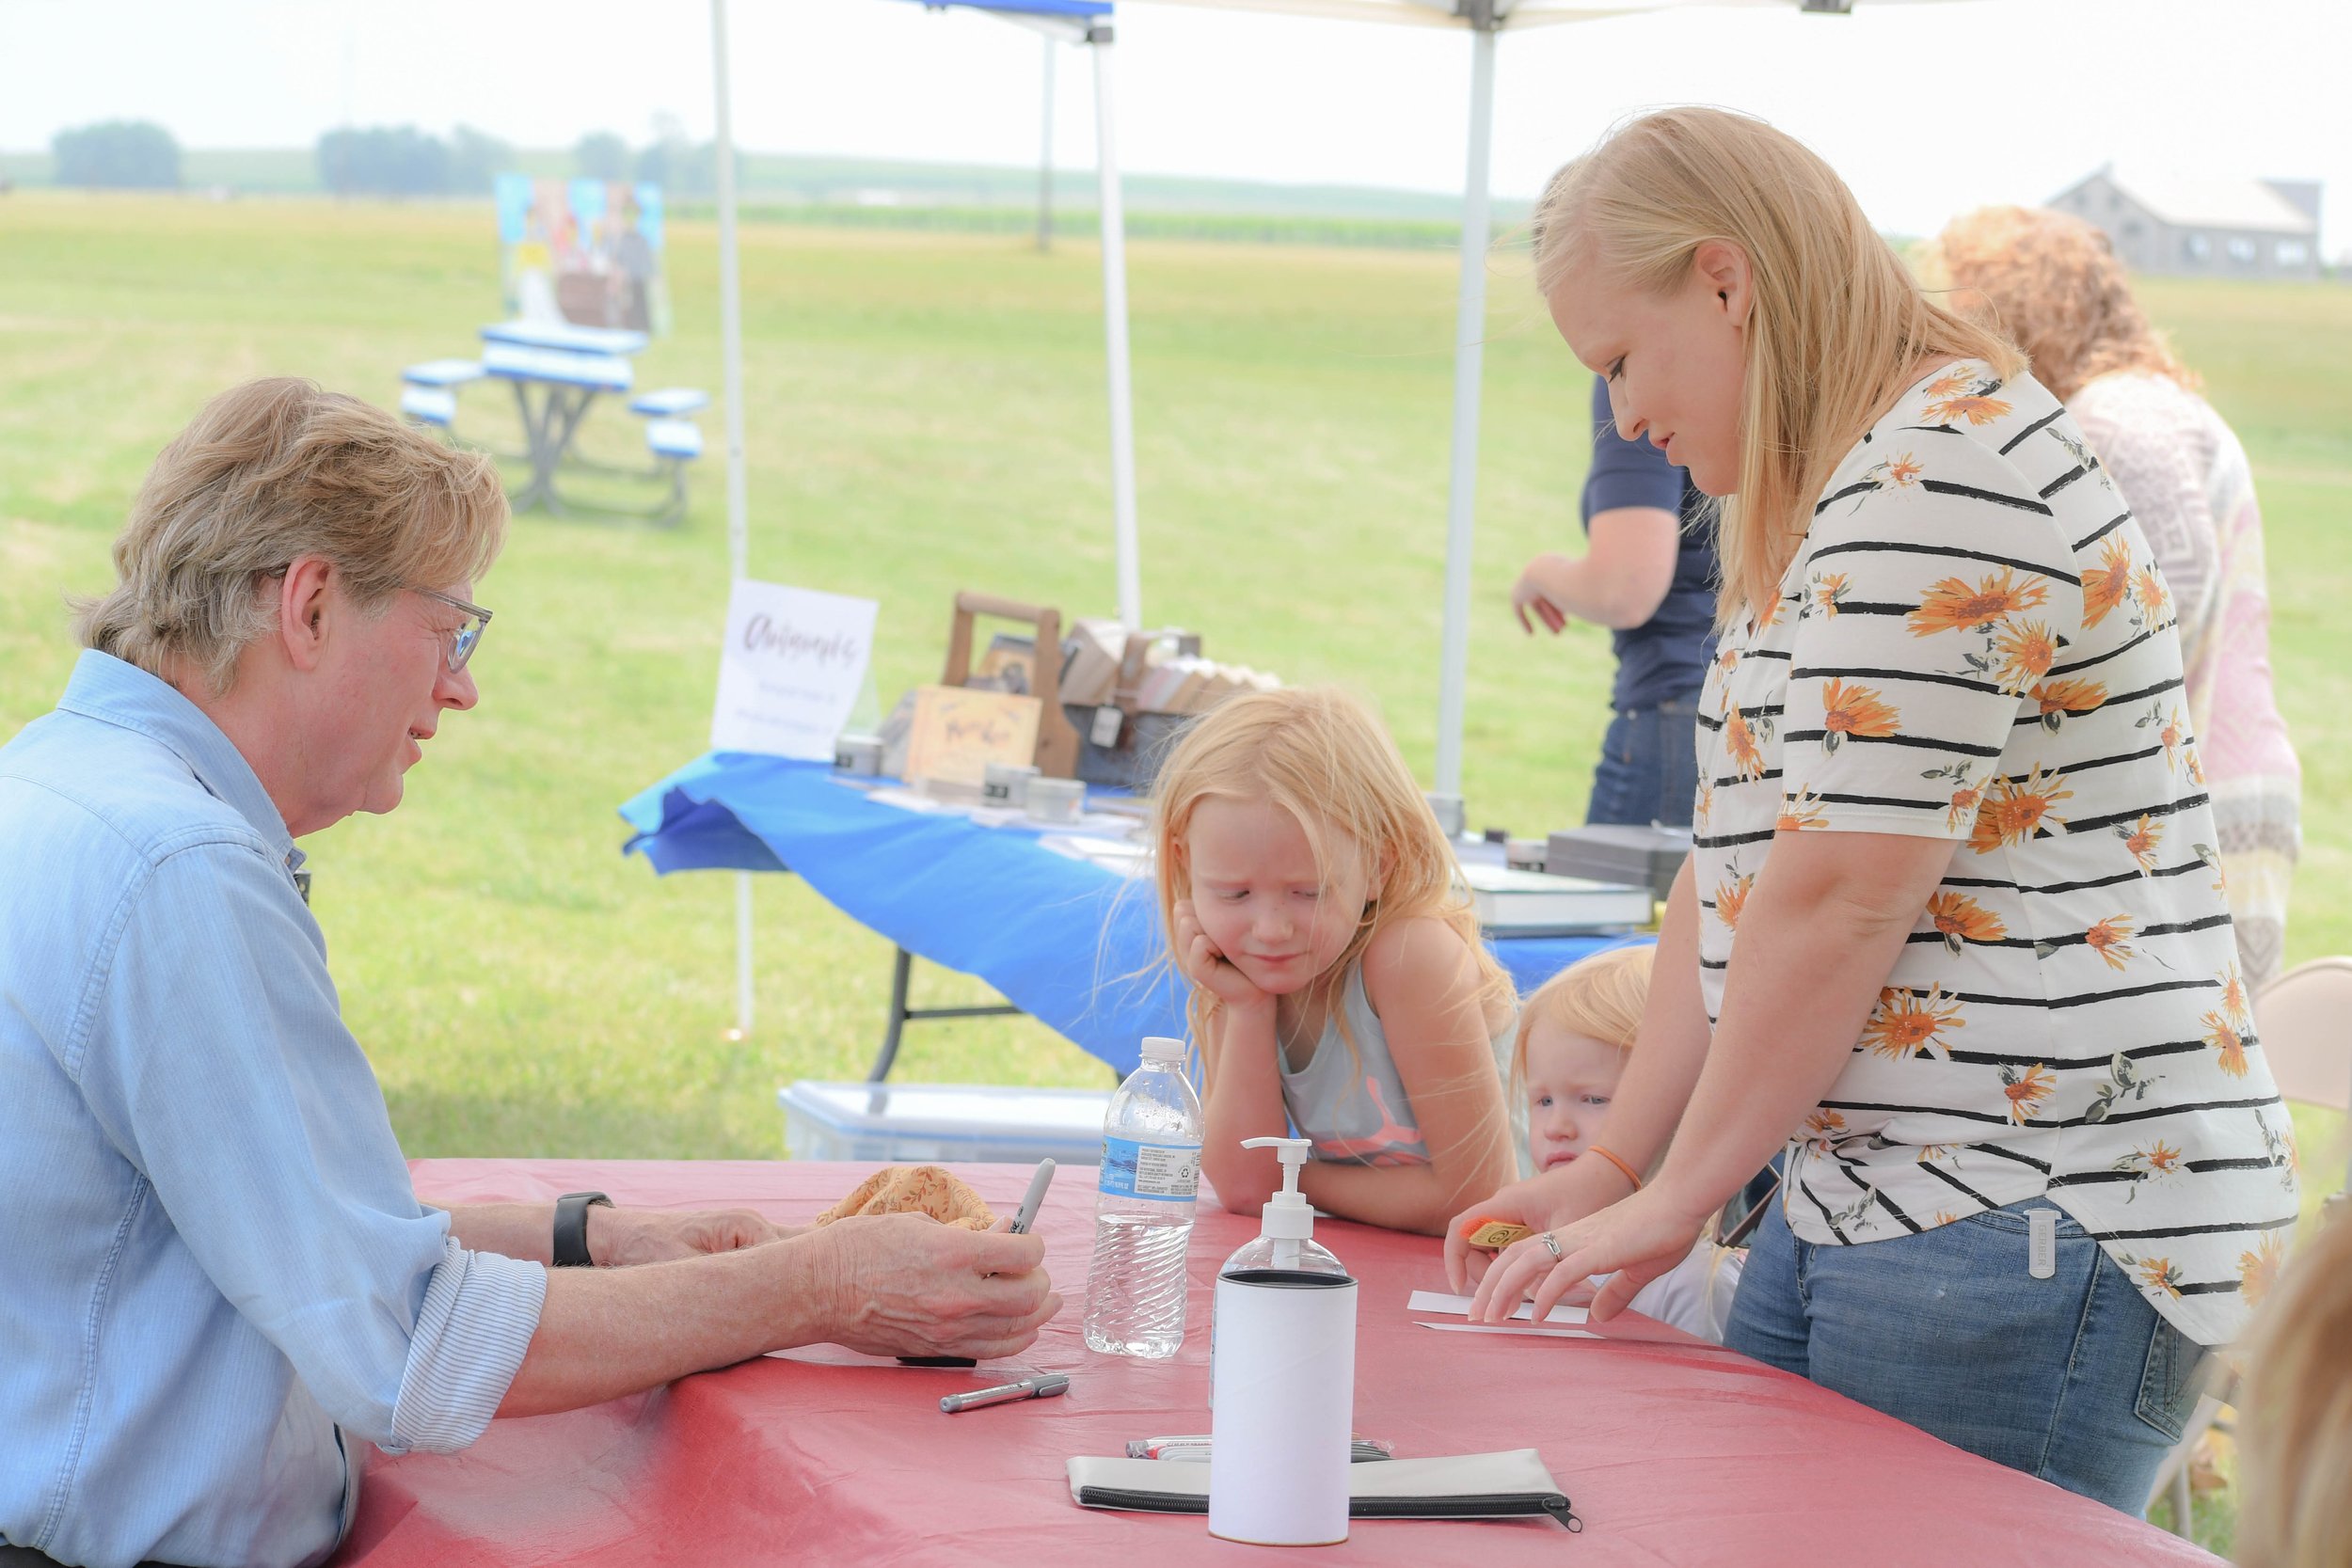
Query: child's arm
pixel 1424 983
pixel 1242 1092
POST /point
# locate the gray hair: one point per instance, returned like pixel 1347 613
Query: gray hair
pixel 268 473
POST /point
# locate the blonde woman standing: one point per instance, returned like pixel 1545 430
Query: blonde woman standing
pixel 1946 934
pixel 2053 284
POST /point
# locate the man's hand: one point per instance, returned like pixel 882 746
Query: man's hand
pixel 1557 1197
pixel 907 1285
pixel 1196 957
pixel 619 1237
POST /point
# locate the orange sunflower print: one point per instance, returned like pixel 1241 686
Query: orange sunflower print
pixel 2148 589
pixel 1826 1127
pixel 1731 896
pixel 2014 812
pixel 2027 1090
pixel 2156 1274
pixel 1854 710
pixel 2105 586
pixel 1905 1023
pixel 1964 807
pixel 1962 920
pixel 2068 696
pixel 2234 996
pixel 2026 650
pixel 2170 737
pixel 1958 379
pixel 2107 939
pixel 2258 1270
pixel 1953 604
pixel 2162 1158
pixel 1828 589
pixel 1739 742
pixel 1799 811
pixel 2142 839
pixel 1973 406
pixel 2228 1042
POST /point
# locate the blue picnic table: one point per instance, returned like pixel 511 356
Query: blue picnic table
pixel 1065 941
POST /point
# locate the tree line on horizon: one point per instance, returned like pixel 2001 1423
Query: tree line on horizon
pixel 385 160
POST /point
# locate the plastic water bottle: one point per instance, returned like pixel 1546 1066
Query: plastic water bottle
pixel 1143 1213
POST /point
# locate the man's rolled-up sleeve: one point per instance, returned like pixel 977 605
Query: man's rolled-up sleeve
pixel 480 1312
pixel 215 1056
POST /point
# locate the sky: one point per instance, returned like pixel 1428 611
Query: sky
pixel 1926 109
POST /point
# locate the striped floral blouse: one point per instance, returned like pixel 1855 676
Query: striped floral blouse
pixel 1974 643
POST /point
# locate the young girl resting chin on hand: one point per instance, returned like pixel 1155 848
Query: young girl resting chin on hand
pixel 1338 981
pixel 1575 1034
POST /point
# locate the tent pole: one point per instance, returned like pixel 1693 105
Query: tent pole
pixel 1469 331
pixel 731 335
pixel 1115 331
pixel 1045 158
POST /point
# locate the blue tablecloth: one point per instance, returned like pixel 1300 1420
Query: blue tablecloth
pixel 1071 945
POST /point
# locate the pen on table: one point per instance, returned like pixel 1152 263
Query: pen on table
pixel 1042 1386
pixel 1034 1198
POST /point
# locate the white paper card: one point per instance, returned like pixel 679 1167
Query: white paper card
pixel 1524 1330
pixel 791 670
pixel 1437 1300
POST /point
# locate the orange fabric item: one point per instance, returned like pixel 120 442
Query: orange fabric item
pixel 1674 1451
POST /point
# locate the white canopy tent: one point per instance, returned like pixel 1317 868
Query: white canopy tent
pixel 1083 22
pixel 1484 20
pixel 1089 21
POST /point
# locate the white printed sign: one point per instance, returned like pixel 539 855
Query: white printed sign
pixel 792 670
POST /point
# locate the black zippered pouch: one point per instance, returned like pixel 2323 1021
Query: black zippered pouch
pixel 1512 1485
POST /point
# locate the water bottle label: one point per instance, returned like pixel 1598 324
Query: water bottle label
pixel 1170 1172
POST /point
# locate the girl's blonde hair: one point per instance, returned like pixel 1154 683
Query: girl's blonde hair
pixel 1837 331
pixel 1319 754
pixel 2296 1438
pixel 1602 996
pixel 2052 283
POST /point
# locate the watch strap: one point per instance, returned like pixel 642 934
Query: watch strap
pixel 572 1228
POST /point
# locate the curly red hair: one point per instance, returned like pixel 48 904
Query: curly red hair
pixel 2051 283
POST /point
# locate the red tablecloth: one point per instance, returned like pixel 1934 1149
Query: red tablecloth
pixel 1672 1453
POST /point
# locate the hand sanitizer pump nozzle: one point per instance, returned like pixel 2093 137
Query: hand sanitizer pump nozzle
pixel 1286 1235
pixel 1283 1377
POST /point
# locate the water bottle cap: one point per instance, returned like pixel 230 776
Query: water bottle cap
pixel 1159 1048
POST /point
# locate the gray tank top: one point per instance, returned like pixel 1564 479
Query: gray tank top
pixel 1352 1103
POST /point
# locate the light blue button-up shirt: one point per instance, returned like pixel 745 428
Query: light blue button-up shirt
pixel 215 1279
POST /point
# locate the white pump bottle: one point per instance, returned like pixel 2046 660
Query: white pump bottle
pixel 1282 1378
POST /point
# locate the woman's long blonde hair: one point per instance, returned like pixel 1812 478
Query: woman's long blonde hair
pixel 2052 283
pixel 1837 331
pixel 1319 754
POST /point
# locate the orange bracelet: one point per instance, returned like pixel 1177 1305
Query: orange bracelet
pixel 1630 1174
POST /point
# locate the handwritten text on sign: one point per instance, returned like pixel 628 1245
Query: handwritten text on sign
pixel 791 670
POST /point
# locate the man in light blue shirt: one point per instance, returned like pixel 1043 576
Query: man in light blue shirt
pixel 219 1285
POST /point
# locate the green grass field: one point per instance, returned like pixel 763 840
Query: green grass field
pixel 925 413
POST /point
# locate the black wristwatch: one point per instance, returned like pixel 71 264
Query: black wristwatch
pixel 572 1228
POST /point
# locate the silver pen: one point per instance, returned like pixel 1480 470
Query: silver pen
pixel 1040 1385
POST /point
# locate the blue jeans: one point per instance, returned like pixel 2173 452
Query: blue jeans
pixel 1650 768
pixel 2076 1379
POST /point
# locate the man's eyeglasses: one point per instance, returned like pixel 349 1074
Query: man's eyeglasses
pixel 468 637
